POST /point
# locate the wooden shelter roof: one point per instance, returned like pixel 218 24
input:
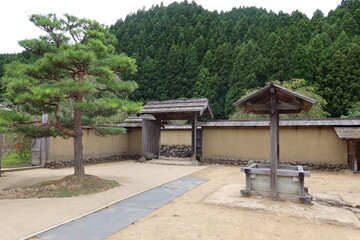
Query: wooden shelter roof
pixel 288 101
pixel 178 109
pixel 348 132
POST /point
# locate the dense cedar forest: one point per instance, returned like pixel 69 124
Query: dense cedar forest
pixel 185 51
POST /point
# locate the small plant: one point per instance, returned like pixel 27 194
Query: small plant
pixel 16 151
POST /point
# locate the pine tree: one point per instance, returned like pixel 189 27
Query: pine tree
pixel 77 71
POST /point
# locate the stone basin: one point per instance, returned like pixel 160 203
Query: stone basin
pixel 290 181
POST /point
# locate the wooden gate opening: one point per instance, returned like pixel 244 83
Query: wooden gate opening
pixel 353 147
pixel 188 109
pixel 352 136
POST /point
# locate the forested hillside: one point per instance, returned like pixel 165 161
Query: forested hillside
pixel 184 51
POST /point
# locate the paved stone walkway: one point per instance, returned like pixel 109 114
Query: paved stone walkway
pixel 108 221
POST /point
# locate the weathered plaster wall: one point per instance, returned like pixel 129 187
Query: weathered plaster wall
pixel 302 144
pixel 134 141
pixel 297 144
pixel 94 146
pixel 175 137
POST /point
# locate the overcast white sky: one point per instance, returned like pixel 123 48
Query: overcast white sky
pixel 15 26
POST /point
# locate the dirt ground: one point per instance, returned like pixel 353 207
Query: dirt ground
pixel 188 217
pixel 68 186
pixel 22 217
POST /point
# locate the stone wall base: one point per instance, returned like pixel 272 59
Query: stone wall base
pixel 92 160
pixel 245 162
pixel 179 151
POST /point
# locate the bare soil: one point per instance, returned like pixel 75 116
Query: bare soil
pixel 68 186
pixel 189 217
pixel 23 217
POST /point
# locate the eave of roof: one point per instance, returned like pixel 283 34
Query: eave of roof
pixel 348 132
pixel 334 122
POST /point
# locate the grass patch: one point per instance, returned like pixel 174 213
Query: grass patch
pixel 69 186
pixel 16 160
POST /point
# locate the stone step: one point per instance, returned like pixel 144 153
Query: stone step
pixel 173 162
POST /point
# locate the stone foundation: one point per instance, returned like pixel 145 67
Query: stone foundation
pixel 245 162
pixel 179 151
pixel 92 160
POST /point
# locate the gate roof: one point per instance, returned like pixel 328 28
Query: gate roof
pixel 178 109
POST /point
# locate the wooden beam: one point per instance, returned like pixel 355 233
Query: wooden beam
pixel 193 136
pixel 274 143
pixel 291 107
pixel 257 107
pixel 289 111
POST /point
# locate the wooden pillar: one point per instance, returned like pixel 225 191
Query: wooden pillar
pixel 157 137
pixel 193 136
pixel 1 150
pixel 274 143
pixel 44 143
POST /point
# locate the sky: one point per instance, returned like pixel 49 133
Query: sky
pixel 15 26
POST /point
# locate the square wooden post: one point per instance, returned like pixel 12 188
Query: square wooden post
pixel 44 143
pixel 158 136
pixel 193 136
pixel 274 143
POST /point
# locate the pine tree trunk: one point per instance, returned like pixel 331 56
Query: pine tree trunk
pixel 78 146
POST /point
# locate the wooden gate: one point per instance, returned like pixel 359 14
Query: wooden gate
pixel 353 155
pixel 151 138
pixel 40 147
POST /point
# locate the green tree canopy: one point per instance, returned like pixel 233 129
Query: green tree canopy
pixel 354 110
pixel 173 44
pixel 76 79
